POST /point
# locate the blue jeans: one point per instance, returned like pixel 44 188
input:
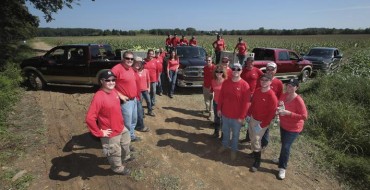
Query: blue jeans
pixel 265 139
pixel 173 77
pixel 233 126
pixel 140 116
pixel 153 89
pixel 159 84
pixel 146 97
pixel 241 59
pixel 129 112
pixel 217 119
pixel 287 139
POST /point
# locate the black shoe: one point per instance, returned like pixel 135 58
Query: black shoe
pixel 171 96
pixel 130 159
pixel 145 129
pixel 151 114
pixel 137 139
pixel 160 94
pixel 125 171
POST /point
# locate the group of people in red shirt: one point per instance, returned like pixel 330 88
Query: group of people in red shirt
pixel 247 95
pixel 173 41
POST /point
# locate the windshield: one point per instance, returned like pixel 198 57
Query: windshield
pixel 320 53
pixel 189 52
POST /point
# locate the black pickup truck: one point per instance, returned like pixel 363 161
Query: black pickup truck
pixel 78 64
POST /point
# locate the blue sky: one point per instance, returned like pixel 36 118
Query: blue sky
pixel 212 14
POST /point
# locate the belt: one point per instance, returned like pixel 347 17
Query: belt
pixel 131 99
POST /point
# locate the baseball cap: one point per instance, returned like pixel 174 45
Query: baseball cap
pixel 237 65
pixel 250 59
pixel 106 74
pixel 271 64
pixel 293 82
pixel 267 76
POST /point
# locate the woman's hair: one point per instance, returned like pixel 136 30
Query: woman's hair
pixel 175 55
pixel 220 68
pixel 138 60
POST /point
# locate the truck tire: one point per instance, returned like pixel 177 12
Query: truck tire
pixel 35 81
pixel 304 75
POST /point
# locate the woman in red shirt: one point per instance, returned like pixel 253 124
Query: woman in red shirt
pixel 242 50
pixel 173 64
pixel 291 122
pixel 219 75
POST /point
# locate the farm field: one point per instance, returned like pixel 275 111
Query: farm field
pixel 178 152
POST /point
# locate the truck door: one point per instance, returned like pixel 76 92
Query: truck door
pixel 283 62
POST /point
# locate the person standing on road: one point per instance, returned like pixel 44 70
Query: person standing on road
pixel 219 76
pixel 105 121
pixel 233 106
pixel 160 55
pixel 291 122
pixel 184 41
pixel 193 41
pixel 207 80
pixel 168 42
pixel 251 75
pixel 173 64
pixel 261 113
pixel 175 41
pixel 151 65
pixel 242 50
pixel 128 91
pixel 218 46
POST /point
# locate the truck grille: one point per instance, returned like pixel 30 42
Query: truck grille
pixel 193 71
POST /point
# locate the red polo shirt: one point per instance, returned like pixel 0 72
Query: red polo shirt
pixel 251 77
pixel 152 67
pixel 208 75
pixel 125 81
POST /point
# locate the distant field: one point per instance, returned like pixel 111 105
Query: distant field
pixel 301 44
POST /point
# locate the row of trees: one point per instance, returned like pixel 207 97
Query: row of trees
pixel 50 32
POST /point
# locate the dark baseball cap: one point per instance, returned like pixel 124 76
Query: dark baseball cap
pixel 106 74
pixel 267 76
pixel 293 82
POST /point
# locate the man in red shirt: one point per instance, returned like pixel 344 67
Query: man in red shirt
pixel 233 107
pixel 184 41
pixel 160 55
pixel 242 50
pixel 261 112
pixel 128 90
pixel 225 64
pixel 207 80
pixel 168 42
pixel 104 120
pixel 218 46
pixel 193 41
pixel 175 41
pixel 151 65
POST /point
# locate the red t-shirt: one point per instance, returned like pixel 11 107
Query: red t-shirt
pixel 263 106
pixel 251 77
pixel 105 113
pixel 125 81
pixel 193 42
pixel 168 42
pixel 175 41
pixel 234 99
pixel 242 48
pixel 184 42
pixel 216 88
pixel 173 65
pixel 152 67
pixel 144 79
pixel 294 122
pixel 219 45
pixel 208 75
pixel 159 60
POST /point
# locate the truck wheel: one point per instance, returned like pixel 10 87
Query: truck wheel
pixel 35 81
pixel 304 75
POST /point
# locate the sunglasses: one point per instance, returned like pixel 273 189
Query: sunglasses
pixel 270 69
pixel 236 69
pixel 129 58
pixel 110 80
pixel 209 60
pixel 219 72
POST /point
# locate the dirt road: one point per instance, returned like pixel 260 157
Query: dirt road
pixel 178 152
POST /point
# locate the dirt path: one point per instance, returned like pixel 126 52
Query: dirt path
pixel 178 152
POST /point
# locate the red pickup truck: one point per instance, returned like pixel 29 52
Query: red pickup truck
pixel 289 63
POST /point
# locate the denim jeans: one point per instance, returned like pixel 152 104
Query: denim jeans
pixel 265 139
pixel 287 139
pixel 146 97
pixel 159 84
pixel 173 77
pixel 217 119
pixel 218 56
pixel 129 112
pixel 241 59
pixel 233 126
pixel 140 116
pixel 153 89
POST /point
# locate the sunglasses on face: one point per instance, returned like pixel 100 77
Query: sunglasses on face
pixel 219 72
pixel 236 69
pixel 209 60
pixel 129 58
pixel 270 69
pixel 110 80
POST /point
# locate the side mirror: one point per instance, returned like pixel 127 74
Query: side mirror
pixel 338 56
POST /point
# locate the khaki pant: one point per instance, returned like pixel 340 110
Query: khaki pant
pixel 117 149
pixel 255 134
pixel 208 98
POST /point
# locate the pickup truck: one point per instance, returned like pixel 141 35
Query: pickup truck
pixel 324 59
pixel 289 63
pixel 69 64
pixel 192 61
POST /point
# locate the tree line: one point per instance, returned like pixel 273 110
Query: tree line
pixel 52 32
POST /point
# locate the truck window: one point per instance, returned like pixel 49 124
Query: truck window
pixel 293 56
pixel 283 56
pixel 98 52
pixel 57 54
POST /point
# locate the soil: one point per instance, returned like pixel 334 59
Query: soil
pixel 178 152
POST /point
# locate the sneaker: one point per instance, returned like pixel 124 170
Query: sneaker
pixel 151 114
pixel 160 94
pixel 125 171
pixel 233 155
pixel 145 129
pixel 281 173
pixel 171 96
